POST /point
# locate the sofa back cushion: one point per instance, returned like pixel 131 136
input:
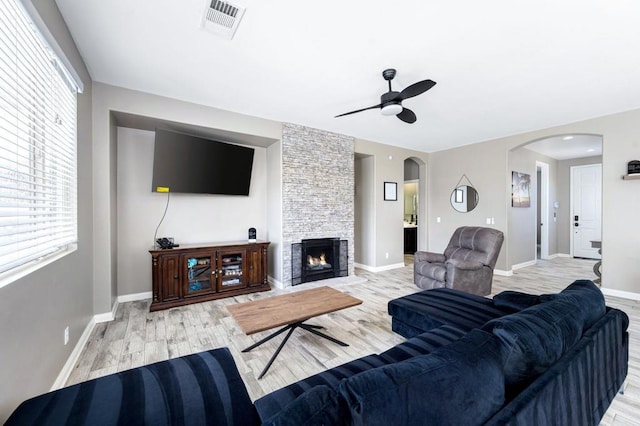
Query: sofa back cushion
pixel 515 300
pixel 586 296
pixel 475 244
pixel 321 405
pixel 535 338
pixel 273 403
pixel 461 383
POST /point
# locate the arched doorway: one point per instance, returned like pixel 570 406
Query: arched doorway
pixel 546 230
pixel 414 214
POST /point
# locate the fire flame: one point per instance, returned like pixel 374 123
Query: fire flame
pixel 314 261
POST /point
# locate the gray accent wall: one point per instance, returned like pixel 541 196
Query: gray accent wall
pixel 189 219
pixel 365 219
pixel 486 164
pixel 523 221
pixel 35 309
pixel 109 99
pixel 317 189
pixel 384 238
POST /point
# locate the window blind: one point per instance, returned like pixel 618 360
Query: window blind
pixel 38 148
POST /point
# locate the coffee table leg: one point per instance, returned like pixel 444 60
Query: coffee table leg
pixel 273 357
pixel 312 329
pixel 291 327
pixel 319 327
pixel 271 336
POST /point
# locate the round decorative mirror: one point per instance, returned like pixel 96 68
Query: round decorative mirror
pixel 464 198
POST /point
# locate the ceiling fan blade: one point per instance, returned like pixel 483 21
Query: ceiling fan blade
pixel 407 116
pixel 359 110
pixel 416 89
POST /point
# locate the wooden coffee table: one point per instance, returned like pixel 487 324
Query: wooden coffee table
pixel 291 310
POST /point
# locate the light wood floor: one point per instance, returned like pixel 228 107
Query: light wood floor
pixel 137 336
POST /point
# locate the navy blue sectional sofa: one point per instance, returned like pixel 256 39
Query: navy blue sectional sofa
pixel 517 359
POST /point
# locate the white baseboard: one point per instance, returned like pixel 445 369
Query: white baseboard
pixel 74 356
pixel 502 273
pixel 562 255
pixel 379 268
pixel 107 316
pixel 272 281
pixel 620 293
pixel 135 296
pixel 523 265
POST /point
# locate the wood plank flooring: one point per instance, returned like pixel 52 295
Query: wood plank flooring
pixel 138 337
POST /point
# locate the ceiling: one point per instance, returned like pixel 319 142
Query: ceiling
pixel 567 147
pixel 502 67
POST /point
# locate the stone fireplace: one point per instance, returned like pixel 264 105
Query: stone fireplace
pixel 317 194
pixel 318 259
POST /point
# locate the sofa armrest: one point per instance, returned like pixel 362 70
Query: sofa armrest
pixel 203 388
pixel 427 256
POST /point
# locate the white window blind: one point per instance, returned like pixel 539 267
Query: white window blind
pixel 38 178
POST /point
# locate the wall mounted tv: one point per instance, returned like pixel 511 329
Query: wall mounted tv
pixel 190 164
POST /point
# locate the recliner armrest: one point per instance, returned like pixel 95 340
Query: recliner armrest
pixel 469 265
pixel 427 256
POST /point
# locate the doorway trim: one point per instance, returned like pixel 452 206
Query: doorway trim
pixel 544 211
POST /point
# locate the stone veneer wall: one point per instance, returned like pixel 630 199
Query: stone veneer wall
pixel 317 189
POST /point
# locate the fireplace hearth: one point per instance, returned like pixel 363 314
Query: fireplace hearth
pixel 318 259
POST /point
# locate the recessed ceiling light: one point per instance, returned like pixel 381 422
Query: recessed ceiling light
pixel 590 150
pixel 567 138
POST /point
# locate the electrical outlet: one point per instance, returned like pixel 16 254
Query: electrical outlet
pixel 66 335
pixel 488 221
pixel 386 255
pixel 438 219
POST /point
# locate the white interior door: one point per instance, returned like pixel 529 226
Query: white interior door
pixel 586 215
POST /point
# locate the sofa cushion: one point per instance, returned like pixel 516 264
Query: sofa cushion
pixel 429 309
pixel 203 388
pixel 270 404
pixel 585 295
pixel 515 300
pixel 321 405
pixel 535 338
pixel 423 344
pixel 461 383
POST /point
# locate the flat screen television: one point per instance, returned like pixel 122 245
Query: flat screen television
pixel 190 164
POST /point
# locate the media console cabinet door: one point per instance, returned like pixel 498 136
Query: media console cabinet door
pixel 200 273
pixel 256 265
pixel 231 269
pixel 169 270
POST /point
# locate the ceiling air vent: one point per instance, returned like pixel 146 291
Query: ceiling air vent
pixel 222 18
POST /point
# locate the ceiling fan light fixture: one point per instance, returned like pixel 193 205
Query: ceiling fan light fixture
pixel 391 109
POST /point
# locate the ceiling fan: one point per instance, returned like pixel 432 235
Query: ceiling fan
pixel 391 102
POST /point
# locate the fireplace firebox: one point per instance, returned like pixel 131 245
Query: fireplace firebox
pixel 318 259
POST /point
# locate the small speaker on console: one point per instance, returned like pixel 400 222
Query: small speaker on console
pixel 252 235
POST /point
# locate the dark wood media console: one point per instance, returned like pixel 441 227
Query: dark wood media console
pixel 197 273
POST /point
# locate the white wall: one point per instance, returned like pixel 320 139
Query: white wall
pixel 190 218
